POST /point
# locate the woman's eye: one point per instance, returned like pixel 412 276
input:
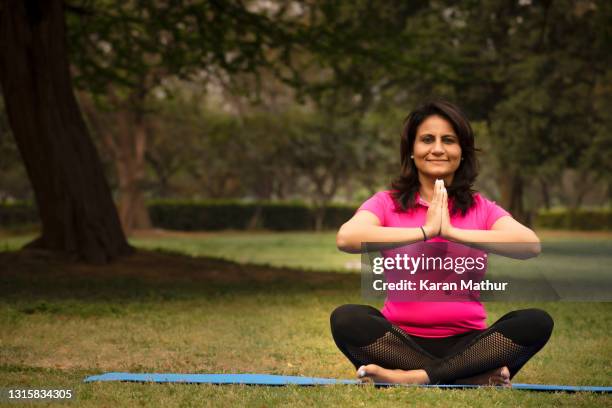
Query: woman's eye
pixel 427 139
pixel 449 140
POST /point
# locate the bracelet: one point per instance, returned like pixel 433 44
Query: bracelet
pixel 424 234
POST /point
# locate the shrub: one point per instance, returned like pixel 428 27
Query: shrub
pixel 217 215
pixel 18 214
pixel 582 219
pixel 190 215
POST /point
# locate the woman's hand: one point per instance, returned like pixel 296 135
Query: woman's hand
pixel 446 228
pixel 433 222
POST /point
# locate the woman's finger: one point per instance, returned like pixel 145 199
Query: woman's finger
pixel 437 192
pixel 444 198
pixel 440 191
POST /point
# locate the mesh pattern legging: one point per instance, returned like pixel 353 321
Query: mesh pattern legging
pixel 364 335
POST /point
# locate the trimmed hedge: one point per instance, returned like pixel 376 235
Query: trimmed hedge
pixel 18 214
pixel 588 220
pixel 218 215
pixel 210 215
pixel 229 214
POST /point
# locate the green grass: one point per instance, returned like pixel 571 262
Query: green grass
pixel 164 313
pixel 315 251
pixel 12 243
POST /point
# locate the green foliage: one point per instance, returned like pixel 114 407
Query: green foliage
pixel 191 216
pixel 219 215
pixel 201 215
pixel 581 219
pixel 135 44
pixel 535 76
pixel 291 153
pixel 17 214
pixel 535 71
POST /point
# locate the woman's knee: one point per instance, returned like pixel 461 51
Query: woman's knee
pixel 543 322
pixel 344 317
pixel 530 327
pixel 357 324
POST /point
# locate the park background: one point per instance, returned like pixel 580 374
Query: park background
pixel 177 170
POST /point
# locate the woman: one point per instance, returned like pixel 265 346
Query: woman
pixel 433 200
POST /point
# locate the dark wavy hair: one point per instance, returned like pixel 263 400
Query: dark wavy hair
pixel 407 184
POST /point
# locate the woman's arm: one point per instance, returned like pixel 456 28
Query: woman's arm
pixel 365 227
pixel 506 237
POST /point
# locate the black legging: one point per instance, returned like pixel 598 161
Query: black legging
pixel 365 336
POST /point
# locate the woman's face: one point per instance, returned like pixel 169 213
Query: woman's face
pixel 436 150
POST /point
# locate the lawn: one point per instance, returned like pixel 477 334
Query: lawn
pixel 165 312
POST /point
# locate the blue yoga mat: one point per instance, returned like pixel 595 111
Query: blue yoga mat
pixel 268 379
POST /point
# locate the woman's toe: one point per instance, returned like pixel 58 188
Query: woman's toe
pixel 505 372
pixel 361 372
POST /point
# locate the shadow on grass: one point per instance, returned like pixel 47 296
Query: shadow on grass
pixel 39 279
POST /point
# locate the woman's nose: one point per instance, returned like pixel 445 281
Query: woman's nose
pixel 438 148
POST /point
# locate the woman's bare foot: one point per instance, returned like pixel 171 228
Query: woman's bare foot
pixel 499 377
pixel 377 374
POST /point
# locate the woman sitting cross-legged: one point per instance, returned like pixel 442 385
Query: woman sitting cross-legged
pixel 433 200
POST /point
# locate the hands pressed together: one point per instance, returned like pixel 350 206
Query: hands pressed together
pixel 438 217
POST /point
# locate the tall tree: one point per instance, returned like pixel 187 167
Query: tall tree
pixel 73 198
pixel 535 72
pixel 125 50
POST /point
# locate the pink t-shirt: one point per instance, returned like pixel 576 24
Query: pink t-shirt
pixel 434 319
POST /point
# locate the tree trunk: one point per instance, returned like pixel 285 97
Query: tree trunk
pixel 130 161
pixel 319 216
pixel 545 192
pixel 582 186
pixel 126 144
pixel 255 221
pixel 511 186
pixel 323 198
pixel 74 201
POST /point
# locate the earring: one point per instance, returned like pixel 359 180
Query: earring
pixel 412 157
pixel 462 158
